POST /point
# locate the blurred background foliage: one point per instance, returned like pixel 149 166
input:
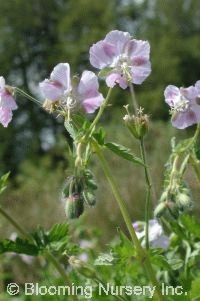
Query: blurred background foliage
pixel 35 35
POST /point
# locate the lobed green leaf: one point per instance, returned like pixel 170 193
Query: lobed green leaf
pixel 123 152
pixel 19 246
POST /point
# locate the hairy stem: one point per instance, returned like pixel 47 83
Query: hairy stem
pixel 101 110
pixel 134 103
pixel 142 255
pixel 28 96
pixel 148 187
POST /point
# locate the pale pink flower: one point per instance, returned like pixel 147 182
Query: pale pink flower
pixel 184 105
pixel 7 103
pixel 157 238
pixel 60 88
pixel 123 59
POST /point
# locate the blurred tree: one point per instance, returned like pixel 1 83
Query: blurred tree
pixel 27 33
pixel 34 36
pixel 173 30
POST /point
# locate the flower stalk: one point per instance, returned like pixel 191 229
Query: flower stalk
pixel 148 193
pixel 142 254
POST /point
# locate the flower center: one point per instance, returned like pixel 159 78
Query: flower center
pixel 181 104
pixel 68 100
pixel 124 67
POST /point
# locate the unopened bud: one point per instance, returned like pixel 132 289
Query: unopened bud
pixel 160 209
pixel 183 200
pixel 137 125
pixel 89 198
pixel 74 206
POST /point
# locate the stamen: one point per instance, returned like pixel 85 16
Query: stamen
pixel 182 104
pixel 68 101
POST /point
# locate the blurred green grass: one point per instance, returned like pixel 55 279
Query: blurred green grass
pixel 37 198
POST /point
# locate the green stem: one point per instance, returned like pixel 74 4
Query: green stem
pixel 141 253
pixel 101 110
pixel 195 166
pixel 148 184
pixel 120 201
pixel 48 254
pixel 196 133
pixel 15 224
pixel 135 104
pixel 60 269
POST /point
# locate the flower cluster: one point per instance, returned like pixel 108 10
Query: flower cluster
pixel 185 105
pixel 125 60
pixel 122 61
pixel 59 88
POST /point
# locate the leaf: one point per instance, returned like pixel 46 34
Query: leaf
pixel 3 180
pixel 198 154
pixel 70 129
pixel 19 246
pixel 191 224
pixel 123 152
pixel 195 290
pixel 99 136
pixel 57 232
pixel 55 239
pixel 160 261
pixel 176 263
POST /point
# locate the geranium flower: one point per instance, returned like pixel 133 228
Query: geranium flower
pixel 123 59
pixel 184 105
pixel 7 103
pixel 157 238
pixel 59 88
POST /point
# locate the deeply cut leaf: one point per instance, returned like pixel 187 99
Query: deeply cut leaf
pixel 123 152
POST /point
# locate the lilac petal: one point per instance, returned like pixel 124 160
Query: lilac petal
pixel 51 90
pixel 7 101
pixel 5 116
pixel 93 103
pixel 182 120
pixel 116 78
pixel 189 93
pixel 155 229
pixel 138 48
pixel 140 72
pixel 161 242
pixel 197 87
pixel 101 54
pixel 61 75
pixel 88 92
pixel 2 83
pixel 88 84
pixel 170 93
pixel 118 39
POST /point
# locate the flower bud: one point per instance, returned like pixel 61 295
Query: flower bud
pixel 89 198
pixel 137 125
pixel 183 200
pixel 160 209
pixel 74 206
